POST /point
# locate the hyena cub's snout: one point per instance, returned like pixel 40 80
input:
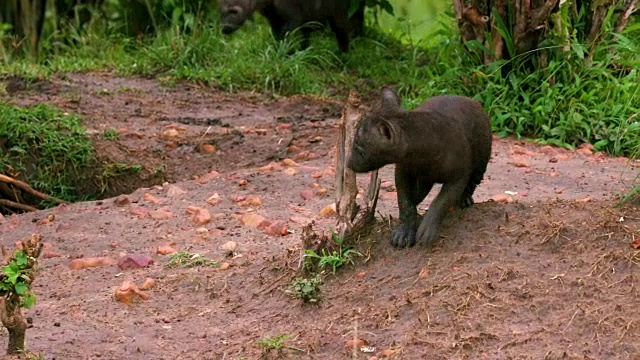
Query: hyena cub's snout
pixel 231 20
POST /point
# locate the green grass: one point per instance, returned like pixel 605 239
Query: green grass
pixel 566 103
pixel 49 146
pixel 187 259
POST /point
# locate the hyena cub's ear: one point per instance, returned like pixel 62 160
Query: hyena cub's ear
pixel 384 130
pixel 390 100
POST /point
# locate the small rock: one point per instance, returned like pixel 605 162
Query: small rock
pixel 277 228
pixel 83 263
pixel 152 199
pixel 520 163
pixel 255 201
pixel 229 247
pixel 252 219
pixel 161 214
pixel 317 174
pixel 329 210
pixel 174 191
pixel 199 216
pixel 586 148
pixel 224 266
pixel 321 191
pixel 305 155
pixel 135 261
pixel 270 167
pixel 208 177
pixel 121 200
pixel 140 212
pixel 502 198
pixel 207 149
pixel 243 182
pixel 213 199
pixel 584 200
pixel 202 230
pixel 148 284
pixel 288 162
pixel 128 291
pixel 170 134
pixel 166 250
pixel 290 171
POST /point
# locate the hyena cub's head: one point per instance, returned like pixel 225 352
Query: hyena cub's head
pixel 377 141
pixel 233 13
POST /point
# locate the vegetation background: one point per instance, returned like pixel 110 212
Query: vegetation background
pixel 569 90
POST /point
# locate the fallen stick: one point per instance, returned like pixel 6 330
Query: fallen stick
pixel 15 205
pixel 24 186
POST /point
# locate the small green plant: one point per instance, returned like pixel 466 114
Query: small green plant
pixel 16 279
pixel 276 343
pixel 307 290
pixel 110 134
pixel 15 284
pixel 187 259
pixel 334 259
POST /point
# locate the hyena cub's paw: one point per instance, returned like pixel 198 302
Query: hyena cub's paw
pixel 403 235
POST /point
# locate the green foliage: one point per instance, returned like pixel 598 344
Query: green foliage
pixel 110 134
pixel 187 259
pixel 334 258
pixel 49 146
pixel 15 274
pixel 308 290
pixel 276 343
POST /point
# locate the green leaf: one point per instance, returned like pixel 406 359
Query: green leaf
pixel 21 288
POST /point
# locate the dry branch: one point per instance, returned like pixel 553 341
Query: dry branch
pixel 16 205
pixel 10 302
pixel 24 186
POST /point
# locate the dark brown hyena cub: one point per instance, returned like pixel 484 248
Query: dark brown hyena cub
pixel 447 140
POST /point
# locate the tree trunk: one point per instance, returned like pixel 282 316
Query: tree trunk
pixel 525 22
pixel 529 19
pixel 14 321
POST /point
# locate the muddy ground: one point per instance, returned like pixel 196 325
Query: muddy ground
pixel 548 271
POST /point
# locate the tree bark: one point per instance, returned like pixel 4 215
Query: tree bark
pixel 530 18
pixel 629 8
pixel 14 321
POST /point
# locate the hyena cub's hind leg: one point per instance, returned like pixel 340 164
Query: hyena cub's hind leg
pixel 466 200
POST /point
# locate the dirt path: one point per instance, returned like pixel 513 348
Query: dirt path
pixel 549 275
